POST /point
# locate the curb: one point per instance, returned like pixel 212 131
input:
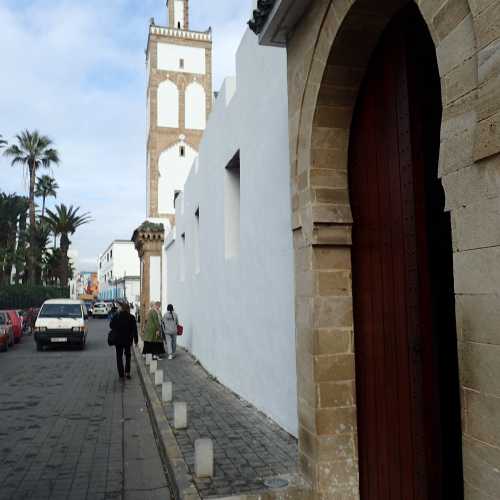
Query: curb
pixel 181 483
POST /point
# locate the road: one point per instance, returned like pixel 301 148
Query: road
pixel 70 429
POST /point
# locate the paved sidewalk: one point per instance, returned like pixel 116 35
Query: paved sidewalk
pixel 249 448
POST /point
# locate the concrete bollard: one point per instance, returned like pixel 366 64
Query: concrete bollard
pixel 149 358
pixel 167 392
pixel 158 377
pixel 180 416
pixel 204 458
pixel 153 366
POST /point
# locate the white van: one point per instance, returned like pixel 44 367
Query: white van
pixel 61 321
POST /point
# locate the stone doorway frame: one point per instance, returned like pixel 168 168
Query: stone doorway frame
pixel 328 54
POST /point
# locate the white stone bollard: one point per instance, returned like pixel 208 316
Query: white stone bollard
pixel 158 377
pixel 149 358
pixel 167 392
pixel 153 366
pixel 204 458
pixel 180 416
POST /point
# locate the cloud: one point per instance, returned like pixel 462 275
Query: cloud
pixel 75 70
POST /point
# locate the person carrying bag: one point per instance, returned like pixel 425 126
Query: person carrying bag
pixel 123 334
pixel 171 328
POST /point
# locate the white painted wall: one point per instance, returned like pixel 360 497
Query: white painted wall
pixel 155 278
pixel 169 56
pixel 196 106
pixel 168 104
pixel 238 312
pixel 174 170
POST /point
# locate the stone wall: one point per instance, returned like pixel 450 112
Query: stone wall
pixel 327 56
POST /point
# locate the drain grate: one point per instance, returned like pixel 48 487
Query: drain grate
pixel 275 483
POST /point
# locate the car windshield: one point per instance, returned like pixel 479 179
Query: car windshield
pixel 61 311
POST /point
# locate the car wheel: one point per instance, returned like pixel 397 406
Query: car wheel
pixel 39 346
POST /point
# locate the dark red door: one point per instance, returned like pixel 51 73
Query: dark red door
pixel 404 319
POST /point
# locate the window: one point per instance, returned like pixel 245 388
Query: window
pixel 111 254
pixel 181 63
pixel 232 207
pixel 182 151
pixel 179 25
pixel 197 241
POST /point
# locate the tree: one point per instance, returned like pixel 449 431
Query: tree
pixel 41 236
pixel 3 142
pixel 12 245
pixel 65 221
pixel 46 186
pixel 33 151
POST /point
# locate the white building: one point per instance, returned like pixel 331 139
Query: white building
pixel 229 261
pixel 118 271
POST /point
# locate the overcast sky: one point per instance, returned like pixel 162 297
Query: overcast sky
pixel 75 70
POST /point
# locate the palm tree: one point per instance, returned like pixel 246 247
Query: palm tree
pixel 42 234
pixel 2 142
pixel 65 221
pixel 46 186
pixel 33 151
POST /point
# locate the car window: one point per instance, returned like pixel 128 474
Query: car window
pixel 2 319
pixel 61 311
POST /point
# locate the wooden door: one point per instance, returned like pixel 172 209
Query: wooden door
pixel 405 336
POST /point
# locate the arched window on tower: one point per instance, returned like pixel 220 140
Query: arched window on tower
pixel 196 106
pixel 168 104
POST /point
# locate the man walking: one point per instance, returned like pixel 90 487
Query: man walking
pixel 125 333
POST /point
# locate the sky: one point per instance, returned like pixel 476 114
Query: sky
pixel 75 71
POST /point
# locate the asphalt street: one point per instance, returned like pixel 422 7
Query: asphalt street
pixel 71 429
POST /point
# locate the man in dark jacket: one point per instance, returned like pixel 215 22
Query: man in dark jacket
pixel 124 327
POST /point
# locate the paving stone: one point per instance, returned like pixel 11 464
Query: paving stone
pixel 248 447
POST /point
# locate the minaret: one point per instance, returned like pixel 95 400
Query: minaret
pixel 178 14
pixel 179 99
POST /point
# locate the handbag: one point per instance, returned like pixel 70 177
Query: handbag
pixel 111 338
pixel 180 330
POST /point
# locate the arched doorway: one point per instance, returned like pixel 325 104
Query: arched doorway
pixel 408 408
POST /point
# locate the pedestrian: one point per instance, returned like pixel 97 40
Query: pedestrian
pixel 113 310
pixel 125 333
pixel 153 341
pixel 170 324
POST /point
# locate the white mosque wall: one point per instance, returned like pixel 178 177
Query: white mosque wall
pixel 229 261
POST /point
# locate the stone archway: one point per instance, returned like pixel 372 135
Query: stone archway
pixel 324 86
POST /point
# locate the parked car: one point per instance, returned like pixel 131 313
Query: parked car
pixel 100 310
pixel 6 325
pixel 16 324
pixel 61 321
pixel 6 333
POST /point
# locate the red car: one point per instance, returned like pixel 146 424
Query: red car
pixel 4 333
pixel 16 325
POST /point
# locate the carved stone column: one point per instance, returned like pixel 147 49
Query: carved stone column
pixel 148 239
